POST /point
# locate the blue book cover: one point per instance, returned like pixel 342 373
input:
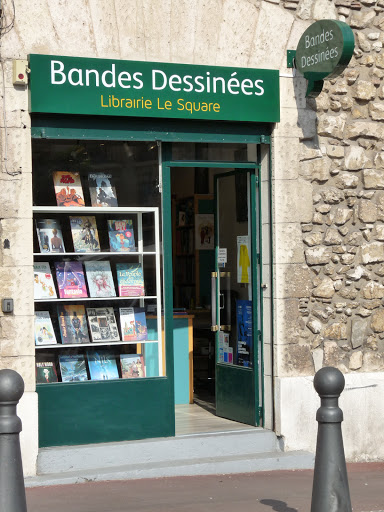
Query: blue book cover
pixel 121 235
pixel 244 332
pixel 102 365
pixel 73 368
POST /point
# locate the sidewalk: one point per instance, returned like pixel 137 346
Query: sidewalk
pixel 279 491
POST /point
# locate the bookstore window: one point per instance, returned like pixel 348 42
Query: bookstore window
pixel 97 260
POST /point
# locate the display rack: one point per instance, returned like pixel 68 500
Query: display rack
pixel 137 256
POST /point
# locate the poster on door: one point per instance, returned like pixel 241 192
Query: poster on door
pixel 244 332
pixel 204 226
pixel 243 260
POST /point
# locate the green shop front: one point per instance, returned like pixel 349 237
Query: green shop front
pixel 180 149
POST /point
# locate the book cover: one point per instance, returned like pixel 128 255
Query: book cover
pixel 102 365
pixel 46 372
pixel 70 279
pixel 84 234
pixel 102 324
pixel 73 324
pixel 99 278
pixel 130 279
pixel 49 235
pixel 121 235
pixel 44 333
pixel 133 324
pixel 132 366
pixel 102 189
pixel 73 368
pixel 44 287
pixel 68 189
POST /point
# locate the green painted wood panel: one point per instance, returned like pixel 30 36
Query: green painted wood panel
pixel 97 412
pixel 235 397
pixel 181 360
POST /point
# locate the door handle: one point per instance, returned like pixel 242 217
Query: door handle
pixel 214 326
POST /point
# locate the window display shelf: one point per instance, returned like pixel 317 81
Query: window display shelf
pixel 88 299
pixel 94 344
pixel 86 254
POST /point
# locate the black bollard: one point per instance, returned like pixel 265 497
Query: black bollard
pixel 330 492
pixel 12 490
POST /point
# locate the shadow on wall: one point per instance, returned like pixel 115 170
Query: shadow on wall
pixel 278 506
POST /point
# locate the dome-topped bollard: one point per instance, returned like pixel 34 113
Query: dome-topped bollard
pixel 12 490
pixel 330 491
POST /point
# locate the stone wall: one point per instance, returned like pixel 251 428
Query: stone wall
pixel 337 318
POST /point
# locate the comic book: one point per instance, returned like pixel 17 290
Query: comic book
pixel 102 324
pixel 46 372
pixel 102 189
pixel 49 235
pixel 133 324
pixel 84 234
pixel 73 368
pixel 130 279
pixel 44 333
pixel 102 365
pixel 99 278
pixel 68 189
pixel 70 279
pixel 132 366
pixel 44 287
pixel 73 324
pixel 121 235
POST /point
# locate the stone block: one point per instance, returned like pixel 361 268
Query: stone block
pixel 362 19
pixel 207 28
pixel 16 196
pixel 292 92
pixel 24 365
pixel 367 211
pixel 285 151
pixel 376 111
pixel 346 180
pixel 364 129
pixel 288 243
pixel 373 179
pixel 17 336
pixel 17 282
pixel 236 35
pixel 318 356
pixel 16 108
pixel 17 242
pixel 107 27
pixel 297 360
pixel 318 255
pixel 356 360
pixel 324 10
pixel 356 159
pixel 359 331
pixel 293 281
pixel 331 126
pixel 315 170
pixel 377 321
pixel 372 253
pixel 325 289
pixel 293 201
pixel 273 26
pixel 19 155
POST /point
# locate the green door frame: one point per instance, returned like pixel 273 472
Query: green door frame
pixel 255 414
pixel 167 164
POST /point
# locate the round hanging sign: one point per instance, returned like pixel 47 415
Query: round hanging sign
pixel 324 50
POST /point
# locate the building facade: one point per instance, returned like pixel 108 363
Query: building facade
pixel 320 174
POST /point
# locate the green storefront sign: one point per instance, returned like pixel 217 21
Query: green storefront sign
pixel 324 51
pixel 74 85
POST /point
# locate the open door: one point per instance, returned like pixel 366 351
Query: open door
pixel 235 295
